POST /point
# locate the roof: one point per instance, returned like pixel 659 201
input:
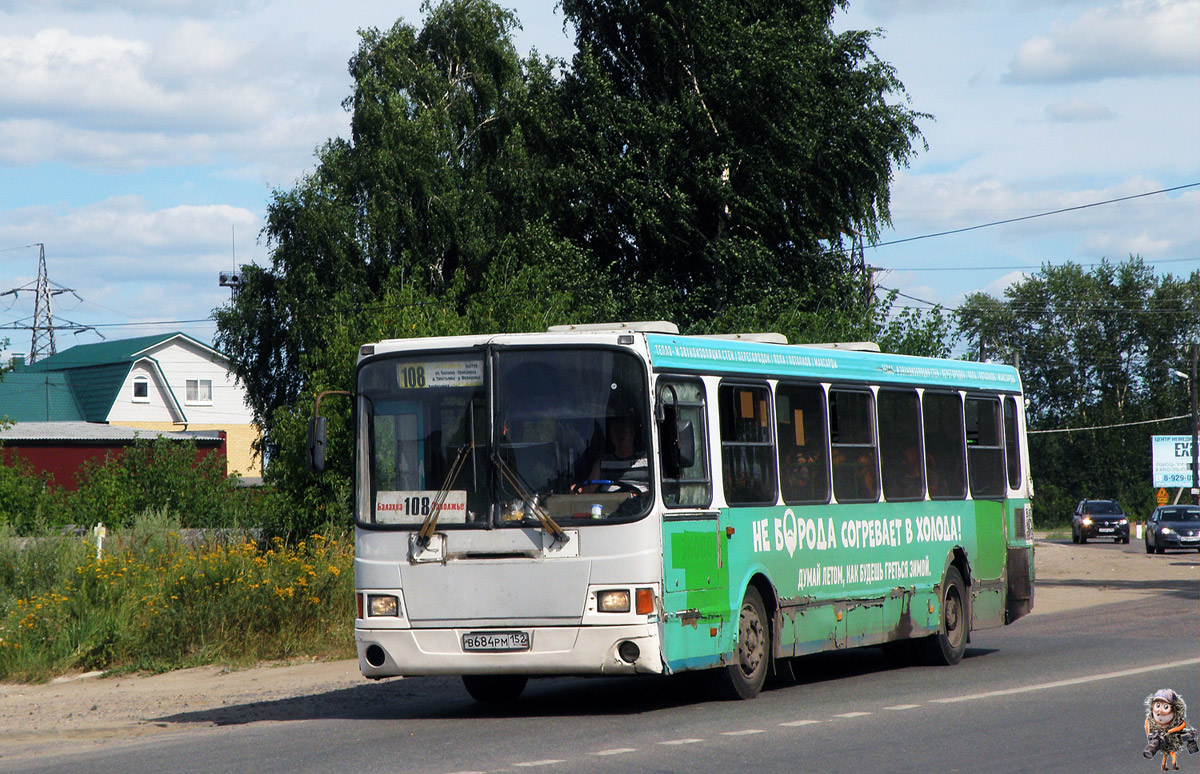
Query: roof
pixel 95 432
pixel 26 397
pixel 708 355
pixel 97 388
pixel 124 351
pixel 96 372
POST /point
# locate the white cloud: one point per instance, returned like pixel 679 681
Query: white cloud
pixel 1133 39
pixel 200 8
pixel 106 82
pixel 996 287
pixel 1077 110
pixel 129 262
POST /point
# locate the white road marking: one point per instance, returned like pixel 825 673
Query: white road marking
pixel 742 733
pixel 615 751
pixel 852 714
pixel 800 722
pixel 683 741
pixel 903 707
pixel 1072 681
pixel 549 762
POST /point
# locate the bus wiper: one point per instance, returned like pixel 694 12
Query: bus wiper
pixel 530 497
pixel 435 508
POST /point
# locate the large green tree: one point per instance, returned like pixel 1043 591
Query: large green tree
pixel 723 151
pixel 1095 348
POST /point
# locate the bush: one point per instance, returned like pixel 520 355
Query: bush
pixel 153 474
pixel 153 602
pixel 25 498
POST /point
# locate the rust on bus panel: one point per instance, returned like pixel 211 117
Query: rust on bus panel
pixel 904 624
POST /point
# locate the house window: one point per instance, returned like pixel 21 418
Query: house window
pixel 199 391
pixel 141 389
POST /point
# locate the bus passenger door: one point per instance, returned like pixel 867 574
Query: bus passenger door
pixel 695 589
pixel 695 555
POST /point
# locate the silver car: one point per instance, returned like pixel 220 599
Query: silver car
pixel 1173 526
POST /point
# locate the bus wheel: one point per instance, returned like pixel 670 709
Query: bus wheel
pixel 947 646
pixel 494 689
pixel 744 678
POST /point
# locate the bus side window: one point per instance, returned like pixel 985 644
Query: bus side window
pixel 852 446
pixel 985 454
pixel 747 444
pixel 1012 443
pixel 690 486
pixel 900 445
pixel 945 467
pixel 803 443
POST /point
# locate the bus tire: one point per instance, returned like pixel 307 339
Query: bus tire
pixel 494 689
pixel 946 648
pixel 744 678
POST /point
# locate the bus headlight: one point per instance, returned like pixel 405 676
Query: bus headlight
pixel 613 601
pixel 380 605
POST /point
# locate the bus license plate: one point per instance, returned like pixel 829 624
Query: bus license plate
pixel 495 641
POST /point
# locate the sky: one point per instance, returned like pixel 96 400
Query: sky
pixel 140 141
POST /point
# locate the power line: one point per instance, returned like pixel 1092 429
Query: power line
pixel 996 268
pixel 1108 427
pixel 152 322
pixel 1036 215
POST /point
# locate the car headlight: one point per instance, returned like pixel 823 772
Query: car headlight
pixel 1121 522
pixel 1167 531
pixel 1087 520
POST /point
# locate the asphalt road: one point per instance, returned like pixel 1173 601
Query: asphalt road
pixel 1056 693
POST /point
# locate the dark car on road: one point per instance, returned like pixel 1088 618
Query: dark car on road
pixel 1099 519
pixel 1173 526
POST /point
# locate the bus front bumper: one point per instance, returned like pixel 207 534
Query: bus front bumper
pixel 552 651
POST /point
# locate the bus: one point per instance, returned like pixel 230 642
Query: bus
pixel 621 499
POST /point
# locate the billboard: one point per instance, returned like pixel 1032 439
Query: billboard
pixel 1172 455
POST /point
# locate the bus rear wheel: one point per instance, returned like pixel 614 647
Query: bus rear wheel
pixel 948 645
pixel 744 678
pixel 494 689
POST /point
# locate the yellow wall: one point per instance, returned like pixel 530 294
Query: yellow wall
pixel 239 443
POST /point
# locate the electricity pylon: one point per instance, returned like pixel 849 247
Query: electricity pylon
pixel 42 325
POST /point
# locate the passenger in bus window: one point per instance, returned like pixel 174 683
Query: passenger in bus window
pixel 854 474
pixel 800 478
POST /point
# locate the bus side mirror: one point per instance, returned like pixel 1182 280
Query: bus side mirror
pixel 686 443
pixel 678 443
pixel 314 457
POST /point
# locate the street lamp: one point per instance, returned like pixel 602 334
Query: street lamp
pixel 1194 384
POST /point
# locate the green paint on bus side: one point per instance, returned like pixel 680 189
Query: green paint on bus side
pixel 842 575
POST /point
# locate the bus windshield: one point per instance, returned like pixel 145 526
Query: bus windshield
pixel 566 433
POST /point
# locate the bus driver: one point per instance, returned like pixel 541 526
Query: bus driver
pixel 621 462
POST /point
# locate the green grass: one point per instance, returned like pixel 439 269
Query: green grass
pixel 150 602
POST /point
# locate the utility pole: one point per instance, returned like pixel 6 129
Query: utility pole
pixel 1195 423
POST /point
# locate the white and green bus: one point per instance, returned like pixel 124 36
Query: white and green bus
pixel 620 499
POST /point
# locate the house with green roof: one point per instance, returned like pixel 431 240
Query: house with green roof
pixel 169 382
